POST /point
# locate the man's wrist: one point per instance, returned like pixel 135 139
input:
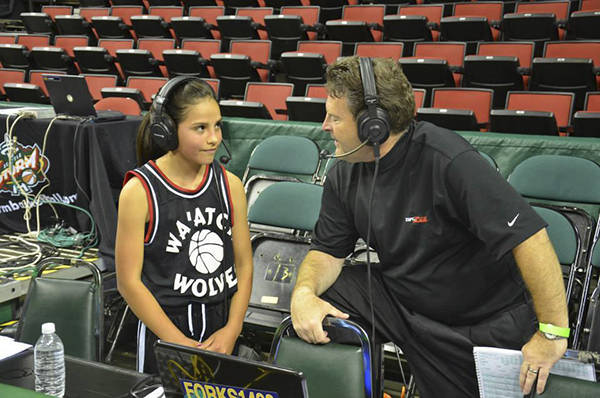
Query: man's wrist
pixel 300 290
pixel 553 332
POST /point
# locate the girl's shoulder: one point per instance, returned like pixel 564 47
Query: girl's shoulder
pixel 133 188
pixel 234 182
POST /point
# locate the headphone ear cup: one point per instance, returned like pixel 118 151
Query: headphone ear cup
pixel 373 129
pixel 164 131
pixel 363 134
pixel 163 128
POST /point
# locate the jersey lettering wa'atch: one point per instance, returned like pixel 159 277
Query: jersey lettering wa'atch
pixel 188 252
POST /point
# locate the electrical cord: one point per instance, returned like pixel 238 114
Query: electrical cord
pixel 11 172
pixel 11 142
pixel 396 348
pixel 36 200
pixel 139 388
pixel 79 187
pixel 23 266
pixel 226 224
pixel 37 253
pixel 37 197
pixel 87 240
pixel 368 242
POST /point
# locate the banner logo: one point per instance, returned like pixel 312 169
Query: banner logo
pixel 28 167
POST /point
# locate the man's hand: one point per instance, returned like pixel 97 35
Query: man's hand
pixel 539 354
pixel 222 341
pixel 308 312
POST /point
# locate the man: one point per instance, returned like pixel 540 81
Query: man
pixel 464 260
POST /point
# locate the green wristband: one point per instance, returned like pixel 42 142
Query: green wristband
pixel 555 330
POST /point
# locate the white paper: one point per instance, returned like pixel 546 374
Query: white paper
pixel 9 347
pixel 158 392
pixel 498 371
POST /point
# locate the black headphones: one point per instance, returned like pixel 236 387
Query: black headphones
pixel 163 128
pixel 373 123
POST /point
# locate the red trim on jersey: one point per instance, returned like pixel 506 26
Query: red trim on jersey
pixel 228 193
pixel 182 189
pixel 127 177
pixel 130 174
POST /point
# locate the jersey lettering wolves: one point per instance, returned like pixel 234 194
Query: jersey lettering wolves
pixel 188 252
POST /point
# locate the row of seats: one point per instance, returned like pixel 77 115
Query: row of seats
pixel 527 112
pixel 566 66
pixel 460 109
pixel 130 22
pixel 471 22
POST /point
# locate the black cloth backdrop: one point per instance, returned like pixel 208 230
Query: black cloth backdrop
pixel 30 134
pixel 94 156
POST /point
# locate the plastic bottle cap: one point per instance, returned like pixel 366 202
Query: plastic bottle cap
pixel 48 328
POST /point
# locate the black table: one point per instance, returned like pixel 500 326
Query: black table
pixel 83 378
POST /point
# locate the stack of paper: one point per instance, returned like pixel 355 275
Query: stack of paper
pixel 9 347
pixel 498 371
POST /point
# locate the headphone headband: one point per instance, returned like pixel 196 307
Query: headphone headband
pixel 162 127
pixel 368 82
pixel 373 125
pixel 160 99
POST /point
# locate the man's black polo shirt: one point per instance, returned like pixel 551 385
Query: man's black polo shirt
pixel 444 225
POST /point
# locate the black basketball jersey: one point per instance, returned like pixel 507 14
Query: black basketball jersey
pixel 188 252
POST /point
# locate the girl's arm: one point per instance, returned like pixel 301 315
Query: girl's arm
pixel 129 257
pixel 223 340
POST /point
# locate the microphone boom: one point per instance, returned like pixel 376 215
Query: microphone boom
pixel 325 156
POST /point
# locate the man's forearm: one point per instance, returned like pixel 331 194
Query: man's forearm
pixel 542 274
pixel 318 272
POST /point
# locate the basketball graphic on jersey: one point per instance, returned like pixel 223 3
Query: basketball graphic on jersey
pixel 206 251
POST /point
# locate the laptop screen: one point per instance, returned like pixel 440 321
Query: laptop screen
pixel 69 95
pixel 192 372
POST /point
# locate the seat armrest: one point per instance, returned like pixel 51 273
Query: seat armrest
pixel 259 65
pixel 258 26
pixel 433 25
pixel 375 26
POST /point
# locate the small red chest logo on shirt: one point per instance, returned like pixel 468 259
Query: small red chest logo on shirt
pixel 416 219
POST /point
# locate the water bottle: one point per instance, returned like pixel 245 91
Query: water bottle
pixel 49 362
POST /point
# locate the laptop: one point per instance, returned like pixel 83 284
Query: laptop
pixel 186 371
pixel 69 95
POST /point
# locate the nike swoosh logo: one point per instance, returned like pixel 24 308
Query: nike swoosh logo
pixel 512 222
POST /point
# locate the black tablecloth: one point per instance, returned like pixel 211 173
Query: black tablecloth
pixel 85 164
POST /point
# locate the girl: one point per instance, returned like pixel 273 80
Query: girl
pixel 183 254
